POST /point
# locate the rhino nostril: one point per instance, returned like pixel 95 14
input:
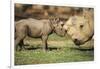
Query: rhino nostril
pixel 75 39
pixel 66 31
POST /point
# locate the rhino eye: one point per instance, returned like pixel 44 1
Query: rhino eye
pixel 81 26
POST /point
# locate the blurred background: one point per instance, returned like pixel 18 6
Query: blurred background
pixel 23 11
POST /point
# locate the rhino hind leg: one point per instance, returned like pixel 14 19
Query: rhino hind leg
pixel 21 45
pixel 19 42
pixel 20 34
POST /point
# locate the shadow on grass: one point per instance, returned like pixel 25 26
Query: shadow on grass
pixel 36 48
pixel 39 47
pixel 57 48
pixel 83 49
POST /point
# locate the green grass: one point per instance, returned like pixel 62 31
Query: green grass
pixel 60 50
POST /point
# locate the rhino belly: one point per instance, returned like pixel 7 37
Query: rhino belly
pixel 34 32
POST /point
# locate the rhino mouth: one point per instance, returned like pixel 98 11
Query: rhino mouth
pixel 78 42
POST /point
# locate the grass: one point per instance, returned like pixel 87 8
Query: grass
pixel 60 50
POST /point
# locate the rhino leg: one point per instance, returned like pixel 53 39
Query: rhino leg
pixel 20 34
pixel 21 44
pixel 44 40
pixel 17 41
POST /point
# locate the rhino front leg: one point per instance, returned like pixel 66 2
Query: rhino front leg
pixel 21 44
pixel 44 40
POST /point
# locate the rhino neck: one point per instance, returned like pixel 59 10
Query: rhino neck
pixel 90 16
pixel 91 23
pixel 51 25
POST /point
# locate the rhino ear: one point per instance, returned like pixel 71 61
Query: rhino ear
pixel 73 20
pixel 57 19
pixel 69 21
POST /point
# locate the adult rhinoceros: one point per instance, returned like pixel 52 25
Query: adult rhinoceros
pixel 36 29
pixel 80 27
